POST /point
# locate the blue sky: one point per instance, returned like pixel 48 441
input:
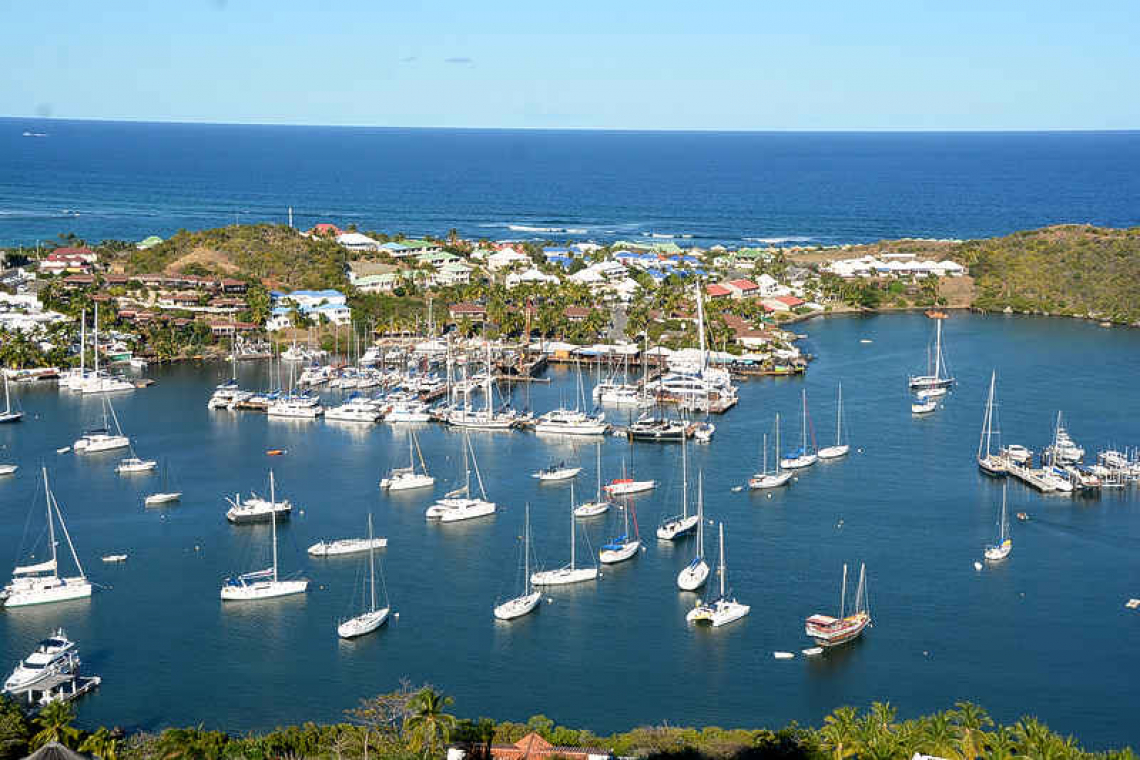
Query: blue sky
pixel 617 64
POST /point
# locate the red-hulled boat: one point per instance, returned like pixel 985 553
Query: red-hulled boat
pixel 828 631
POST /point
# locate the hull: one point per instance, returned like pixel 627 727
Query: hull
pixel 10 417
pixel 518 606
pixel 625 552
pixel 834 452
pixel 63 590
pixel 8 469
pixel 345 546
pixel 362 624
pixel 95 445
pixel 133 467
pixel 693 576
pixel 830 632
pixel 677 527
pixel 720 612
pixel 1000 552
pixel 771 480
pixel 929 381
pixel 352 416
pixel 457 510
pixel 555 428
pixel 156 499
pixel 263 590
pixel 993 466
pixel 629 487
pixel 798 463
pixel 563 474
pixel 564 576
pixel 407 483
pixel 245 518
pixel 592 509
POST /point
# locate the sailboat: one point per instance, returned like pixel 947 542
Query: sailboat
pixel 624 546
pixel 935 378
pixel 105 382
pixel 989 462
pixel 574 421
pixel 999 551
pixel 568 574
pixel 459 505
pixel 764 479
pixel 488 419
pixel 166 494
pixel 600 504
pixel 225 393
pixel 840 448
pixel 556 471
pixel 406 478
pixel 9 414
pixel 679 525
pixel 831 631
pixel 374 617
pixel 803 456
pixel 102 439
pixel 263 584
pixel 41 583
pixel 721 610
pixel 694 575
pixel 133 464
pixel 527 601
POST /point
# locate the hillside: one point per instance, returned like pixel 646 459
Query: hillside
pixel 274 254
pixel 1075 270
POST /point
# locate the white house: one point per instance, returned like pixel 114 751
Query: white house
pixel 355 241
pixel 314 304
pixel 529 276
pixel 505 258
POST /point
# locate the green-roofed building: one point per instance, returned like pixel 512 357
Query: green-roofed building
pixel 149 242
pixel 669 248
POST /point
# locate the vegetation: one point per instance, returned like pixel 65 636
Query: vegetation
pixel 413 724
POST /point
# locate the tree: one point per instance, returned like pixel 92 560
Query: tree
pixel 429 726
pixel 15 730
pixel 839 731
pixel 970 720
pixel 257 297
pixel 54 722
pixel 103 744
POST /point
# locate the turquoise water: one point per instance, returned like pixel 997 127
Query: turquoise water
pixel 1046 633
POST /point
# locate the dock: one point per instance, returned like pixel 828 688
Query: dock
pixel 58 688
pixel 1030 477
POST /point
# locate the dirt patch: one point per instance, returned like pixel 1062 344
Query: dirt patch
pixel 206 257
pixel 958 291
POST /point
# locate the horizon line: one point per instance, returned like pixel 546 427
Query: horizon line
pixel 658 130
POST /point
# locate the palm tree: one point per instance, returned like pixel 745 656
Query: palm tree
pixel 970 720
pixel 54 722
pixel 428 724
pixel 1001 744
pixel 839 730
pixel 103 744
pixel 939 737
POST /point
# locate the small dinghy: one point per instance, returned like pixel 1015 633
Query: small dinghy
pixel 114 558
pixel 812 651
pixel 783 655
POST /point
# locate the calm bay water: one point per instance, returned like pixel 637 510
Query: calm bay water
pixel 1046 633
pixel 130 180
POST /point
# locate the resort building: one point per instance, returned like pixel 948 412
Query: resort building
pixel 355 241
pixel 533 747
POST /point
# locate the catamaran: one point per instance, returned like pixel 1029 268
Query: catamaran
pixel 263 584
pixel 679 525
pixel 256 509
pixel 764 479
pixel 529 599
pixel 803 456
pixel 373 617
pixel 166 495
pixel 569 573
pixel 999 551
pixel 102 439
pixel 828 631
pixel 41 583
pixel 459 505
pixel 721 610
pixel 989 462
pixel 934 377
pixel 600 504
pixel 624 546
pixel 840 448
pixel 406 478
pixel 9 414
pixel 694 575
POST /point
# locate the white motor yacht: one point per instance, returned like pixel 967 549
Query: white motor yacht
pixel 355 409
pixel 134 464
pixel 55 655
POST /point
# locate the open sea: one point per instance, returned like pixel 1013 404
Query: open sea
pixel 1046 632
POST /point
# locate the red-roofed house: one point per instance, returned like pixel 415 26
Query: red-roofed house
pixel 783 303
pixel 324 229
pixel 717 291
pixel 68 260
pixel 742 288
pixel 534 747
pixel 472 311
pixel 576 313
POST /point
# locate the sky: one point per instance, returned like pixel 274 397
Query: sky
pixel 610 64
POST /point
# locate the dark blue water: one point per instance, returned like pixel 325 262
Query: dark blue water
pixel 130 180
pixel 1047 633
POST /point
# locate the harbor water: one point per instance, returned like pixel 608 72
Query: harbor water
pixel 1044 633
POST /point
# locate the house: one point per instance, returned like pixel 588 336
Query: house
pixel 782 303
pixel 534 747
pixel 717 291
pixel 531 275
pixel 385 282
pixel 451 273
pixel 742 288
pixel 767 285
pixel 576 313
pixel 78 281
pixel 359 269
pixel 471 311
pixel 68 260
pixel 331 305
pixel 355 241
pixel 507 257
pixel 324 229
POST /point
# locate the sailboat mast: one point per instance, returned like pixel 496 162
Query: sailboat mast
pixel 684 480
pixel 701 326
pixel 95 341
pixel 51 525
pixel 526 552
pixel 777 452
pixel 490 401
pixel 843 593
pixel 722 573
pixel 804 425
pixel 839 415
pixel 273 520
pixel 764 469
pixel 599 471
pixel 861 591
pixel 1004 519
pixel 701 514
pixel 937 348
pixel 83 345
pixel 371 563
pixel 572 542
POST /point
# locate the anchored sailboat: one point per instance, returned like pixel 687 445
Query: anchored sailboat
pixel 697 572
pixel 41 583
pixel 679 525
pixel 999 551
pixel 764 479
pixel 600 504
pixel 721 610
pixel 263 584
pixel 569 573
pixel 529 599
pixel 373 617
pixel 9 414
pixel 102 439
pixel 406 478
pixel 832 631
pixel 166 494
pixel 459 505
pixel 803 456
pixel 624 546
pixel 840 448
pixel 935 377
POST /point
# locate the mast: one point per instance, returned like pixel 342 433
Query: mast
pixel 1004 519
pixel 571 525
pixel 804 425
pixel 273 520
pixel 83 344
pixel 371 563
pixel 987 420
pixel 777 452
pixel 478 477
pixel 937 349
pixel 599 471
pixel 684 481
pixel 490 403
pixel 7 399
pixel 701 514
pixel 51 525
pixel 95 342
pixel 839 415
pixel 722 568
pixel 861 592
pixel 526 552
pixel 843 593
pixel 764 470
pixel 701 327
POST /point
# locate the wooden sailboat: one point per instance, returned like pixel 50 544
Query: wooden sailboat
pixel 721 610
pixel 999 551
pixel 529 599
pixel 840 448
pixel 569 573
pixel 263 584
pixel 831 631
pixel 694 575
pixel 990 462
pixel 373 617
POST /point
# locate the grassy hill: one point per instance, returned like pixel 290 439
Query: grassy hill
pixel 1075 270
pixel 273 254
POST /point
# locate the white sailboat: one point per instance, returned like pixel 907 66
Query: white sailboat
pixel 764 479
pixel 9 414
pixel 373 617
pixel 803 456
pixel 569 573
pixel 40 583
pixel 989 462
pixel 167 494
pixel 342 546
pixel 557 471
pixel 600 504
pixel 529 599
pixel 999 551
pixel 840 448
pixel 263 584
pixel 935 377
pixel 488 419
pixel 406 478
pixel 721 610
pixel 133 464
pixel 694 575
pixel 101 382
pixel 102 439
pixel 574 421
pixel 679 525
pixel 624 546
pixel 459 505
pixel 923 407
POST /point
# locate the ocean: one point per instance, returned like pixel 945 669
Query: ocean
pixel 1044 633
pixel 120 180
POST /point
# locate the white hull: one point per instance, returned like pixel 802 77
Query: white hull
pixel 998 553
pixel 128 466
pixel 518 606
pixel 457 510
pixel 407 483
pixel 105 385
pixel 834 452
pixel 693 576
pixel 345 546
pixel 632 487
pixel 564 473
pixel 677 527
pixel 926 408
pixel 400 415
pixel 564 576
pixel 8 469
pixel 155 499
pixel 577 428
pixel 592 509
pixel 613 556
pixel 799 463
pixel 718 613
pixel 95 444
pixel 930 393
pixel 352 415
pixel 362 624
pixel 263 590
pixel 930 381
pixel 22 593
pixel 295 412
pixel 770 480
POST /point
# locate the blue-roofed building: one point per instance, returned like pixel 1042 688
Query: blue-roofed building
pixel 562 261
pixel 330 304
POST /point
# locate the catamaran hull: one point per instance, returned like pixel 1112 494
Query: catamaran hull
pixel 718 614
pixel 66 590
pixel 85 446
pixel 407 484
